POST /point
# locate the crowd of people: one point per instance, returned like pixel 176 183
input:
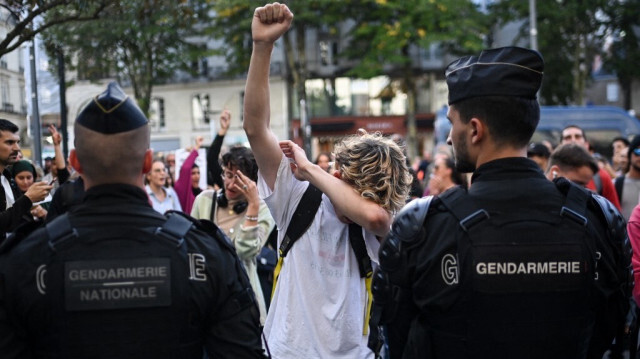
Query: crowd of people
pixel 474 251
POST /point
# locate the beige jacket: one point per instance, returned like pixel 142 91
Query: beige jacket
pixel 248 241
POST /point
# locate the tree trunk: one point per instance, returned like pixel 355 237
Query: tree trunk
pixel 412 129
pixel 625 84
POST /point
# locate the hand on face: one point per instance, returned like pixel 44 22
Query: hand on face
pixel 435 185
pixel 244 186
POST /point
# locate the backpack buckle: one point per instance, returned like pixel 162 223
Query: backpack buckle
pixel 574 216
pixel 473 219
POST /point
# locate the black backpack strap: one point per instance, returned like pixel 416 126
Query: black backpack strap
pixel 356 239
pixel 302 218
pixel 59 230
pixel 597 180
pixel 575 205
pixel 619 185
pixel 272 240
pixel 465 211
pixel 214 206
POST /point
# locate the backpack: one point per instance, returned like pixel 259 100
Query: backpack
pixel 619 185
pixel 597 180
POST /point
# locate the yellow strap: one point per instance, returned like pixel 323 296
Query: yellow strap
pixel 367 283
pixel 367 313
pixel 276 274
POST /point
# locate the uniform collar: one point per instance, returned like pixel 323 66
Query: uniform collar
pixel 514 167
pixel 117 192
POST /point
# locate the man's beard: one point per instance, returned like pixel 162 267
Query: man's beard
pixel 11 159
pixel 461 156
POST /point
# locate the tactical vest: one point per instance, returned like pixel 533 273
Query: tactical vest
pixel 106 286
pixel 522 282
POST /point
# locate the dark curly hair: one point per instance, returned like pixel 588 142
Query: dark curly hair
pixel 241 158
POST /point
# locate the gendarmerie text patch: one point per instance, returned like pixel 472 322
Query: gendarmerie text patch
pixel 115 284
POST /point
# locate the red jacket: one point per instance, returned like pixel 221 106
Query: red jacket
pixel 183 184
pixel 633 229
pixel 608 189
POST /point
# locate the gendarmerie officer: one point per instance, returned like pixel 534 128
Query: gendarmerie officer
pixel 515 267
pixel 115 279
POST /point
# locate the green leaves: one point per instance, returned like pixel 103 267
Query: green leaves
pixel 147 41
pixel 571 33
pixel 386 29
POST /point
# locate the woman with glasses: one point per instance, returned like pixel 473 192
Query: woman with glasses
pixel 162 198
pixel 239 212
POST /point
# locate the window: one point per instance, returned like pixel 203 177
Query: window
pixel 21 61
pixel 200 110
pixel 156 114
pixel 328 52
pixel 6 98
pixel 23 102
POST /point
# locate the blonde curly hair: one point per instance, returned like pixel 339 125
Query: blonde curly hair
pixel 376 167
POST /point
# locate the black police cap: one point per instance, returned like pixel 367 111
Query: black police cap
pixel 506 71
pixel 112 112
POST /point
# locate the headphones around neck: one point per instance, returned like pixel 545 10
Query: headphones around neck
pixel 224 202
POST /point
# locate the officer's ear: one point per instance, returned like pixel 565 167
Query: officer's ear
pixel 73 159
pixel 478 129
pixel 553 172
pixel 148 161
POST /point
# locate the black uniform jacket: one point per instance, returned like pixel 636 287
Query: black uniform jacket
pixel 454 294
pixel 10 218
pixel 116 286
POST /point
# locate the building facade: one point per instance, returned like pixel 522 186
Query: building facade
pixel 13 102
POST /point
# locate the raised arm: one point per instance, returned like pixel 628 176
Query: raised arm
pixel 59 161
pixel 182 186
pixel 344 197
pixel 213 165
pixel 269 23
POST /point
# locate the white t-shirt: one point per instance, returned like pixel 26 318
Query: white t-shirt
pixel 8 193
pixel 318 307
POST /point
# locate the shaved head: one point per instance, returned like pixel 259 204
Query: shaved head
pixel 111 158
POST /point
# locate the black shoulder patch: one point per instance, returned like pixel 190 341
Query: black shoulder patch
pixel 212 230
pixel 409 220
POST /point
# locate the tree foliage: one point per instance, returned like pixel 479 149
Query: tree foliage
pixel 145 41
pixel 388 32
pixel 570 34
pixel 623 56
pixel 382 34
pixel 233 25
pixel 26 15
